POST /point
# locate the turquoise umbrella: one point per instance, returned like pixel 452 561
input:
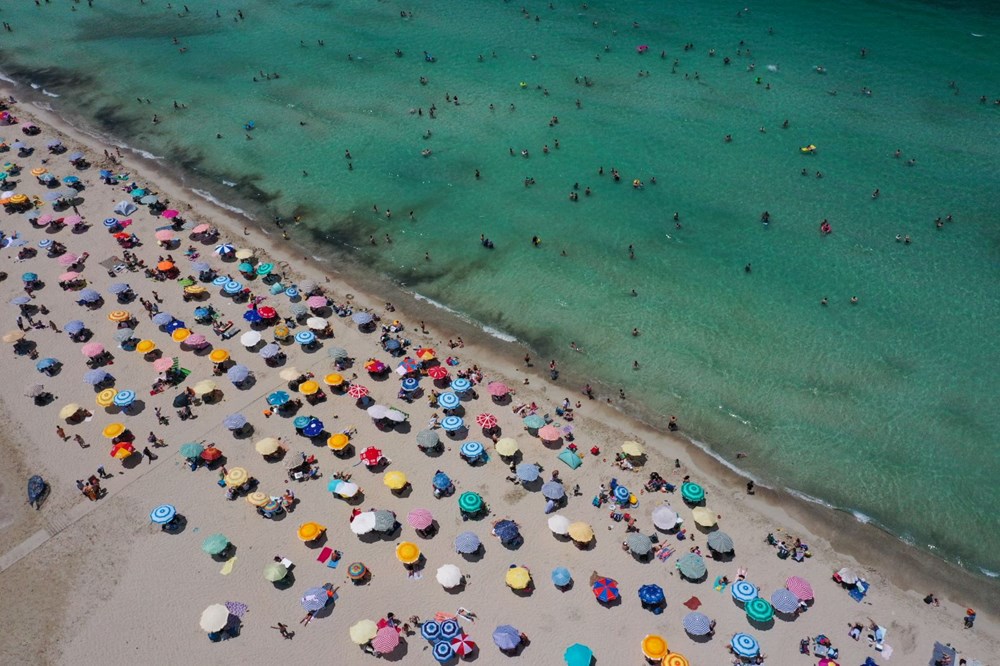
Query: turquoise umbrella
pixel 759 610
pixel 265 269
pixel 191 450
pixel 470 502
pixel 691 566
pixel 578 655
pixel 245 268
pixel 534 422
pixel 692 492
pixel 215 544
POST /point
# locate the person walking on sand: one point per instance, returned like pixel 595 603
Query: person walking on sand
pixel 79 440
pixel 62 433
pixel 283 629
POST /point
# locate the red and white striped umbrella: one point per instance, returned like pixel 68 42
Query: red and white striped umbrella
pixel 462 644
pixel 420 519
pixel 371 456
pixel 386 640
pixel 437 372
pixel 357 391
pixel 800 587
pixel 486 421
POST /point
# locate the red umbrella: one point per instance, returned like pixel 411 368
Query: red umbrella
pixel 267 312
pixel 420 519
pixel 371 456
pixel 357 391
pixel 605 589
pixel 497 389
pixel 386 640
pixel 210 454
pixel 437 372
pixel 486 421
pixel 800 587
pixel 462 644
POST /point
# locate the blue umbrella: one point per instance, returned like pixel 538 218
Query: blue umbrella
pixel 450 629
pixel 269 350
pixel 29 277
pixel 528 472
pixel 441 481
pixel 104 173
pixel 95 377
pixel 88 296
pixel 224 248
pixel 252 316
pixel 46 363
pixel 461 384
pixel 314 599
pixel 697 624
pixel 506 637
pixel 21 300
pixel 75 157
pixel 506 531
pixel 784 601
pixel 472 449
pixel 110 222
pixel 430 630
pixel 71 180
pixel 201 312
pixel 278 398
pixel 234 421
pixel 745 645
pixel 118 288
pixel 578 654
pixel 467 542
pixel 313 428
pixel 124 398
pixel 443 651
pixel 410 384
pixel 553 490
pixel 392 345
pixel 138 192
pixel 743 591
pixel 238 373
pixel 201 267
pixel 244 267
pixel 53 196
pixel 44 243
pixel 221 280
pixel 162 318
pixel 652 595
pixel 622 494
pixel 301 422
pixel 292 292
pixel 448 400
pixel 174 325
pixel 74 327
pixel 561 576
pixel 47 178
pixel 362 318
pixel 233 287
pixel 305 337
pixel 452 423
pixel 163 514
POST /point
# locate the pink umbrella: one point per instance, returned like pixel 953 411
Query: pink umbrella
pixel 43 220
pixel 163 364
pixel 800 587
pixel 201 228
pixel 69 275
pixel 497 389
pixel 357 391
pixel 92 349
pixel 316 301
pixel 73 219
pixel 386 640
pixel 420 519
pixel 196 340
pixel 68 259
pixel 164 235
pixel 549 433
pixel 486 421
pixel 169 213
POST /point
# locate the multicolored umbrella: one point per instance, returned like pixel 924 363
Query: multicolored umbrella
pixel 124 398
pixel 371 456
pixel 437 372
pixel 450 628
pixel 448 400
pixel 460 385
pixel 452 423
pixel 430 630
pixel 675 659
pixel 605 589
pixel 357 571
pixel 472 450
pixel 386 640
pixel 463 645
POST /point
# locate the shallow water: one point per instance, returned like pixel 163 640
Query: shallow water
pixel 886 408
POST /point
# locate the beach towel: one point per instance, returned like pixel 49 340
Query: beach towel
pixel 693 603
pixel 227 568
pixel 324 554
pixel 664 553
pixel 335 560
pixel 859 591
pixel 718 584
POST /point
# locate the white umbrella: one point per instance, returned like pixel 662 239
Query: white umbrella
pixel 316 323
pixel 378 411
pixel 288 374
pixel 214 618
pixel 348 489
pixel 250 338
pixel 848 576
pixel 395 415
pixel 664 517
pixel 449 575
pixel 363 523
pixel 559 524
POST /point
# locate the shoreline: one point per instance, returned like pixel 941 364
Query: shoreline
pixel 814 515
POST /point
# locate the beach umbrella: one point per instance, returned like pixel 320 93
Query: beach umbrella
pixel 759 610
pixel 605 589
pixel 449 576
pixel 180 334
pixel 664 517
pixel 163 364
pixel 578 654
pixel 363 523
pixel 409 384
pixel 267 312
pixel 553 490
pixel 315 302
pixel 430 630
pixel 125 208
pixel 640 544
pixel 236 477
pixel 308 286
pixel 220 281
pixel 232 287
pixel 497 389
pixel 363 631
pixel 487 421
pixel 697 624
pixel 800 587
pixel 163 514
pixel 460 385
pixel 297 309
pixel 743 591
pixel 848 576
pixel 467 543
pixel 561 576
pixel 258 498
pixel 407 552
pixel 252 316
pixel 309 388
pixel 203 387
pixel 654 647
pixel 784 601
pixel 441 481
pixel 170 213
pixel 692 492
pixel 396 416
pixel 69 411
pixel 124 398
pixel 125 334
pixel 463 645
pixel 137 192
pixel 337 353
pixel 448 400
pixel 427 439
pixel 292 292
pixel 357 391
pixel 394 480
pixel 357 571
pixel 244 253
pixel 218 355
pixel 371 456
pixel 517 578
pixel 313 429
pixel 310 531
pixel 506 637
pixel 316 323
pixel 196 341
pixel 223 249
pixel 95 377
pixel 214 618
pixel 419 519
pixel 144 346
pixel 745 646
pixel 44 243
pixel 559 524
pixel 633 449
pixel 704 516
pixel 384 520
pixel 162 318
pixel 675 659
pixel 333 379
pixel 20 300
pixel 580 532
pixel 269 350
pixel 549 433
pixel 534 422
pixel 386 640
pixel 275 571
pixel 14 336
pixel 472 450
pixel 720 542
pixel 528 472
pixel 118 288
pixel 46 363
pixel 506 531
pixel 191 450
pixel 362 318
pixel 305 337
pixel 215 544
pixel 452 423
pixel 315 598
pixel 267 446
pixel 113 430
pixel 106 398
pixel 652 595
pixel 450 628
pixel 338 441
pixel 265 269
pixel 470 502
pixel 244 267
pixel 211 454
pixel 442 651
pixel 691 566
pixel 507 446
pixel 29 277
pixel 278 398
pixel 88 296
pixel 437 372
pixel 345 489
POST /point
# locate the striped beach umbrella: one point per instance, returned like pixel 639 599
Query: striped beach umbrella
pixel 472 450
pixel 745 645
pixel 553 490
pixel 452 423
pixel 357 391
pixel 759 610
pixel 460 385
pixel 697 624
pixel 448 400
pixel 419 519
pixel 528 472
pixel 305 337
pixel 315 598
pixel 124 398
pixel 450 628
pixel 467 543
pixel 487 421
pixel 784 601
pixel 692 492
pixel 800 587
pixel 463 645
pixel 443 651
pixel 430 630
pixel 743 591
pixel 386 640
pixel 163 514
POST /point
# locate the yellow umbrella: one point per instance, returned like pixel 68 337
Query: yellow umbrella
pixel 394 480
pixel 281 331
pixel 218 356
pixel 195 289
pixel 244 253
pixel 333 379
pixel 119 315
pixel 39 171
pixel 290 373
pixel 237 477
pixel 69 410
pixel 310 531
pixel 112 430
pixel 338 441
pixel 145 346
pixel 19 199
pixel 632 449
pixel 407 552
pixel 180 335
pixel 204 386
pixel 507 446
pixel 257 498
pixel 267 446
pixel 677 659
pixel 14 336
pixel 363 631
pixel 308 388
pixel 106 397
pixel 580 531
pixel 518 578
pixel 704 516
pixel 654 647
pixel 122 454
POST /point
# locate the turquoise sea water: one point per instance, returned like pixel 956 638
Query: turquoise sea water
pixel 887 408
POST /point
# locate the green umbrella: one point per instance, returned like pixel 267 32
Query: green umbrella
pixel 275 571
pixel 470 502
pixel 534 422
pixel 191 450
pixel 215 544
pixel 692 492
pixel 691 566
pixel 759 610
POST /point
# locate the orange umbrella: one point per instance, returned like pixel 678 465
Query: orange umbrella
pixel 164 266
pixel 308 388
pixel 407 552
pixel 218 356
pixel 310 531
pixel 338 441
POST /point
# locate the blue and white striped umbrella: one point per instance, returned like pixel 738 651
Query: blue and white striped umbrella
pixel 124 398
pixel 467 542
pixel 292 292
pixel 745 645
pixel 743 591
pixel 448 400
pixel 238 373
pixel 472 449
pixel 221 280
pixel 622 493
pixel 163 514
pixel 450 629
pixel 305 337
pixel 461 384
pixel 430 630
pixel 269 350
pixel 784 601
pixel 314 599
pixel 443 651
pixel 234 421
pixel 118 288
pixel 452 423
pixel 110 222
pixel 362 318
pixel 44 243
pixel 162 318
pixel 697 624
pixel 553 490
pixel 410 384
pixel 313 428
pixel 95 377
pixel 528 472
pixel 74 327
pixel 223 249
pixel 233 287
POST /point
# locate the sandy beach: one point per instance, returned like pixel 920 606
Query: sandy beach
pixel 99 574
